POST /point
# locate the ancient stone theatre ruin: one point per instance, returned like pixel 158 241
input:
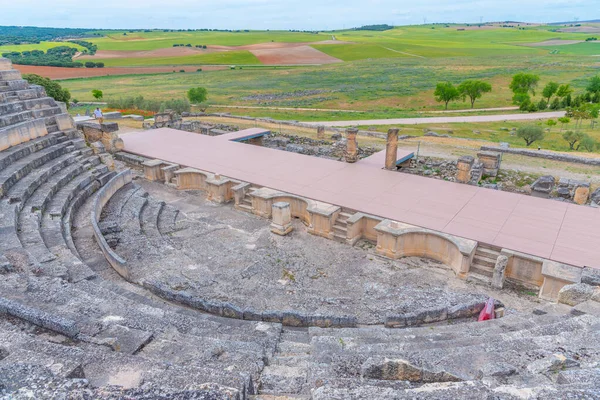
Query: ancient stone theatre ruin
pixel 165 264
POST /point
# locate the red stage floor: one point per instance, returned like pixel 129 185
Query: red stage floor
pixel 546 228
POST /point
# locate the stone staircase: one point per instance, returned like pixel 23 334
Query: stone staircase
pixel 246 203
pixel 484 261
pixel 286 373
pixel 340 228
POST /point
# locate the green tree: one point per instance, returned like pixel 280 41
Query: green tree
pixel 555 104
pixel 523 83
pixel 98 94
pixel 53 88
pixel 551 123
pixel 521 98
pixel 564 91
pixel 474 89
pixel 594 85
pixel 197 95
pixel 572 138
pixel 445 92
pixel 564 121
pixel 587 143
pixel 530 134
pixel 550 90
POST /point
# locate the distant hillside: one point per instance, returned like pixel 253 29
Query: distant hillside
pixel 32 35
pixel 591 21
pixel 383 27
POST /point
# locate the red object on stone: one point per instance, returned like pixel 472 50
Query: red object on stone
pixel 488 311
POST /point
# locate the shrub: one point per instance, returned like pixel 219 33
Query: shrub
pixel 182 70
pixel 532 107
pixel 90 64
pixel 530 134
pixel 542 105
pixel 100 65
pixel 587 143
pixel 98 94
pixel 197 95
pixel 199 70
pixel 53 88
pixel 555 104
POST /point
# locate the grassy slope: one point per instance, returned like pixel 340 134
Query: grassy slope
pixel 157 40
pixel 226 58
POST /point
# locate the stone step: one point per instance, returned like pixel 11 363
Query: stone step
pixel 19 169
pixel 150 216
pixel 341 230
pixel 338 237
pixel 246 201
pixel 23 189
pixel 245 207
pixel 484 261
pixel 9 86
pixel 15 153
pixel 10 75
pixel 167 220
pixel 488 252
pixel 482 270
pixel 64 367
pixel 344 216
pixel 43 195
pixel 283 380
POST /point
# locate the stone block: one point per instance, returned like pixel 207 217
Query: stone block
pixel 543 186
pixel 282 218
pixel 576 293
pixel 499 272
pixel 556 276
pixel 97 147
pixel 590 276
pixel 113 115
pixel 582 194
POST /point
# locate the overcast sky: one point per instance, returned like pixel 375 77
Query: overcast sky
pixel 282 14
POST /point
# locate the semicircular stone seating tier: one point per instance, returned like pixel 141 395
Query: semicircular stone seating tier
pixel 70 327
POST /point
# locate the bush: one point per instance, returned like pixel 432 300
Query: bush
pixel 587 143
pixel 555 104
pixel 53 89
pixel 532 107
pixel 530 133
pixel 139 103
pixel 100 65
pixel 199 70
pixel 542 105
pixel 182 70
pixel 90 64
pixel 197 95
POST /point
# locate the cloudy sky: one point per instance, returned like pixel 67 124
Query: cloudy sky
pixel 283 14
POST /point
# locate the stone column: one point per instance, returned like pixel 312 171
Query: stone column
pixel 391 150
pixel 282 218
pixel 464 165
pixel 499 271
pixel 320 132
pixel 351 154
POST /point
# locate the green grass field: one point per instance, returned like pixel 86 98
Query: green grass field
pixel 157 40
pixel 226 58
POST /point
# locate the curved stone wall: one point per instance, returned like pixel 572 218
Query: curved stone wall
pixel 102 197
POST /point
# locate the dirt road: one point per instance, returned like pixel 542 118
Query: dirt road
pixel 444 120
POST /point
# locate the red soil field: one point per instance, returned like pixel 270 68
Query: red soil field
pixel 293 55
pixel 71 73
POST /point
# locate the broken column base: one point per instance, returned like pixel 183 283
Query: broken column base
pixel 282 218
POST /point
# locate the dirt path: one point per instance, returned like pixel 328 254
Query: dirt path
pixel 444 120
pixel 474 110
pixel 286 108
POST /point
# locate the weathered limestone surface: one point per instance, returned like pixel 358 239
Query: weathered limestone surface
pixel 499 272
pixel 351 155
pixel 543 186
pixel 464 165
pixel 556 276
pixel 282 219
pixel 396 240
pixel 391 150
pixel 576 293
pixel 491 162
